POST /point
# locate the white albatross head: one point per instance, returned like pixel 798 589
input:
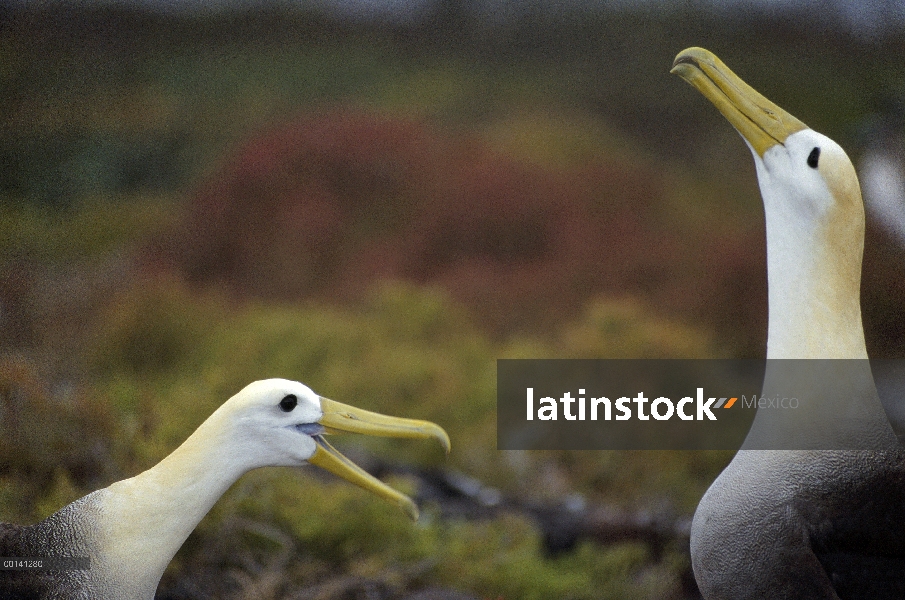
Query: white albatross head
pixel 278 422
pixel 814 217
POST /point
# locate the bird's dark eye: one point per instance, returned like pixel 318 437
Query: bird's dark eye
pixel 288 402
pixel 813 157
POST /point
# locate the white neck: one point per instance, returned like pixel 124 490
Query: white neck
pixel 146 519
pixel 814 250
pixel 812 314
pixel 814 278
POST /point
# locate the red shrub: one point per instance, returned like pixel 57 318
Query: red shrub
pixel 324 205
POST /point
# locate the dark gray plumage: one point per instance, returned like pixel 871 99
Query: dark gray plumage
pixel 69 532
pixel 803 525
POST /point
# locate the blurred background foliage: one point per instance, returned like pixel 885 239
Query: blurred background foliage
pixel 382 207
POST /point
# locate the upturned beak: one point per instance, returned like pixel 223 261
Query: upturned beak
pixel 761 123
pixel 342 418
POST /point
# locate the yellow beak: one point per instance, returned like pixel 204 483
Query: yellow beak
pixel 339 418
pixel 761 123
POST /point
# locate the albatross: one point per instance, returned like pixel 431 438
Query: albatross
pixel 130 530
pixel 790 523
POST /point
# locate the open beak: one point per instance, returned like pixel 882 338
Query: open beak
pixel 342 418
pixel 761 123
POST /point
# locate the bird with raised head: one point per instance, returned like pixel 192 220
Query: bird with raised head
pixel 792 523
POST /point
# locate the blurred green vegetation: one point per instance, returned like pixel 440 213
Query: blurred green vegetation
pixel 91 228
pixel 108 122
pixel 405 350
pixel 163 357
pixel 99 100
